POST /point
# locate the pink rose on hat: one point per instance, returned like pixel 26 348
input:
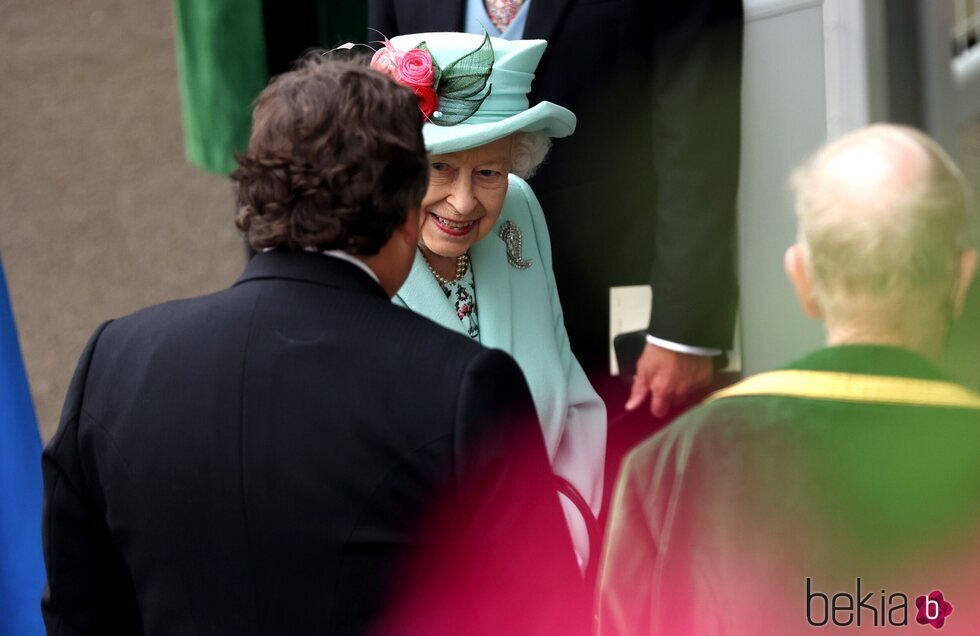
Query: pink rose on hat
pixel 415 68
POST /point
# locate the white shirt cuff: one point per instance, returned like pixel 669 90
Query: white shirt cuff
pixel 682 348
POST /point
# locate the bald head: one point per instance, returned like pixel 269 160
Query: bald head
pixel 881 214
pixel 880 169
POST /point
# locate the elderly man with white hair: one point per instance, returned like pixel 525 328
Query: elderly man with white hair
pixel 842 490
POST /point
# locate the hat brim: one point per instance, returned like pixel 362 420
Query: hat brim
pixel 546 118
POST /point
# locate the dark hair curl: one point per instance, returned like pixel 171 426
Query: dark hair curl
pixel 335 161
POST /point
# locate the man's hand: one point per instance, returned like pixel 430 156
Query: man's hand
pixel 669 376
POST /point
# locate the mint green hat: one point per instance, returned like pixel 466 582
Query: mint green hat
pixel 500 99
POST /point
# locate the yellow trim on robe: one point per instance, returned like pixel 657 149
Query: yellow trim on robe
pixel 852 387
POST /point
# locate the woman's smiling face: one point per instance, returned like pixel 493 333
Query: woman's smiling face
pixel 465 196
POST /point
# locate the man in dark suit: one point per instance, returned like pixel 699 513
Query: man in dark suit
pixel 296 455
pixel 644 192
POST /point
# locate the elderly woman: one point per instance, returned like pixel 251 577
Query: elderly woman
pixel 483 266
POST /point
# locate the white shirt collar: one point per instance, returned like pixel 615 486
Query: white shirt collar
pixel 342 255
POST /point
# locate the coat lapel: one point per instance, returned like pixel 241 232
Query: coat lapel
pixel 492 279
pixel 544 18
pixel 422 294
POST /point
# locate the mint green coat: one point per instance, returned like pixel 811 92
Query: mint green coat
pixel 519 312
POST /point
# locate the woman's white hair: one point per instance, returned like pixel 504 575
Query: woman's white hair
pixel 528 152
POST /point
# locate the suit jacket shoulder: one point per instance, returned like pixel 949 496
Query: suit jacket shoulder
pixel 280 446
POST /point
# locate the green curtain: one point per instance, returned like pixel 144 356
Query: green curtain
pixel 222 64
pixel 221 68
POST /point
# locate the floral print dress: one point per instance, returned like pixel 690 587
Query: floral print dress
pixel 461 294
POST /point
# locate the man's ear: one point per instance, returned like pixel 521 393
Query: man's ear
pixel 795 263
pixel 968 267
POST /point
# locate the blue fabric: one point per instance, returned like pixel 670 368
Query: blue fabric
pixel 21 560
pixel 477 20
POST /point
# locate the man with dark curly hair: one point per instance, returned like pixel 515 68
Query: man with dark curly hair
pixel 296 454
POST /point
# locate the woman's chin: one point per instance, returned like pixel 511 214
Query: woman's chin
pixel 445 249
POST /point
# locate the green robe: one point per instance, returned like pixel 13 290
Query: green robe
pixel 718 521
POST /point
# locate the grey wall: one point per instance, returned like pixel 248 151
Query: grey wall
pixel 784 119
pixel 99 212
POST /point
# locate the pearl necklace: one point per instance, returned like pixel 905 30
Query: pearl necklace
pixel 462 264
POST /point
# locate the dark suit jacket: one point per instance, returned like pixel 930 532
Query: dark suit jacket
pixel 296 455
pixel 644 191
